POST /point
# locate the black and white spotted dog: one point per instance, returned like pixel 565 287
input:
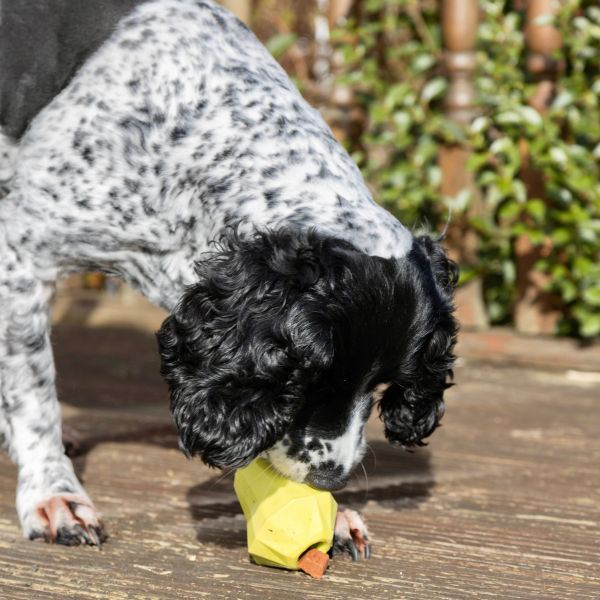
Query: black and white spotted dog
pixel 135 133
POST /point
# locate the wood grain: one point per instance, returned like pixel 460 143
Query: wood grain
pixel 504 503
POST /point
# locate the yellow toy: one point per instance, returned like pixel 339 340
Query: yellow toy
pixel 285 518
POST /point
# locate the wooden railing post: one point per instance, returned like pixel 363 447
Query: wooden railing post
pixel 459 29
pixel 337 10
pixel 536 311
pixel 242 9
pixel 543 40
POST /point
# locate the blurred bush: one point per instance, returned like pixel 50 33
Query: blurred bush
pixel 388 58
pixel 391 53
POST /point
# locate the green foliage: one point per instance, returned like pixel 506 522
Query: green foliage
pixel 280 43
pixel 392 61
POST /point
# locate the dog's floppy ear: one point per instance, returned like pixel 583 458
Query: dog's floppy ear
pixel 243 344
pixel 412 407
pixel 444 270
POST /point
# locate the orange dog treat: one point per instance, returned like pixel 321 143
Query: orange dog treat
pixel 314 562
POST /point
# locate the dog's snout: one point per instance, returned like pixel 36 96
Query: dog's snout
pixel 327 480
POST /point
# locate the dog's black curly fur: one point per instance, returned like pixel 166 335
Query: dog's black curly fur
pixel 414 405
pixel 282 318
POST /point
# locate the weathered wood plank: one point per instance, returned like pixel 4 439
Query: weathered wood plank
pixel 504 503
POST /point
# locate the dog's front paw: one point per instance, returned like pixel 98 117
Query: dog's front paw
pixel 67 519
pixel 350 537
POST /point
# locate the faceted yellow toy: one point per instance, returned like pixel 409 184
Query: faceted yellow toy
pixel 285 518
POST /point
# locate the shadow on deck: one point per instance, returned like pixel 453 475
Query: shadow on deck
pixel 503 502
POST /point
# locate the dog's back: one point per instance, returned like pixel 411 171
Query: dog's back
pixel 42 45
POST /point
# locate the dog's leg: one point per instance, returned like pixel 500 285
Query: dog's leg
pixel 350 536
pixel 51 503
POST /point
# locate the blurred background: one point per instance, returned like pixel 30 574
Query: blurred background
pixel 481 115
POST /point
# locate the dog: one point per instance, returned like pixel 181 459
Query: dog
pixel 159 142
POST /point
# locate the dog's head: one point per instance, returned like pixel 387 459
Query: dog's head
pixel 290 338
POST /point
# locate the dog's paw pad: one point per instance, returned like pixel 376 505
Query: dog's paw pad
pixel 72 440
pixel 67 519
pixel 351 537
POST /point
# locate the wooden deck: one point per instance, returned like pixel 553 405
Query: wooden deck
pixel 504 503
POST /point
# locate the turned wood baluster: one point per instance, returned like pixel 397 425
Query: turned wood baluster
pixel 242 9
pixel 537 312
pixel 459 28
pixel 543 41
pixel 337 10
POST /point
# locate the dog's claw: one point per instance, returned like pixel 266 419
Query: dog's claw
pixel 67 519
pixel 350 538
pixel 96 538
pixel 353 549
pixel 83 533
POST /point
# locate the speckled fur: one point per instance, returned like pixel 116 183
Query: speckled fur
pixel 178 126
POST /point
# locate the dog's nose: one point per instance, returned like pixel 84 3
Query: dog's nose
pixel 328 481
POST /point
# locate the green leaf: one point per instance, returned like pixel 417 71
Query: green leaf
pixel 379 114
pixel 558 155
pixel 557 271
pixel 501 145
pixel 544 19
pixel 496 311
pixel 593 13
pixel 536 208
pixel 563 100
pixel 561 236
pixel 581 266
pixel 487 177
pixel 590 326
pixel 511 117
pixel 280 43
pixel 422 62
pixel 587 235
pixel 476 161
pixel 466 274
pixel 568 291
pixel 358 157
pixel 434 174
pixel 509 270
pixel 433 89
pixel 483 226
pixel 562 195
pixel 510 210
pixel 593 224
pixel 403 120
pixel 536 237
pixel 396 94
pixel 592 296
pixel 531 116
pixel 461 201
pixel 479 124
pixel 519 190
pixel 581 23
